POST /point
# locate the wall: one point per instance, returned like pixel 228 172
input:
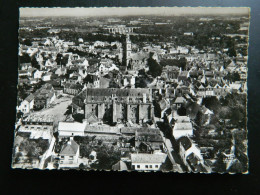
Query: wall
pixel 179 133
pixel 143 166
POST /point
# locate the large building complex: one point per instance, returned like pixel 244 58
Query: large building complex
pixel 130 105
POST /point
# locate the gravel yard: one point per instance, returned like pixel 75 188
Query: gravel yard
pixel 57 109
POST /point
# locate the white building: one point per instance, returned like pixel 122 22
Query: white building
pixel 69 154
pixel 182 127
pixel 27 104
pixel 188 148
pixel 67 129
pixel 147 162
pixel 37 74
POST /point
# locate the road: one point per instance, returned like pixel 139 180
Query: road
pixel 168 144
pixel 47 153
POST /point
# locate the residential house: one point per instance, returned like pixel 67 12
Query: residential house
pixel 208 113
pixel 231 67
pixel 129 80
pixel 25 66
pixel 201 90
pixel 27 104
pixel 191 155
pixel 69 155
pixel 47 76
pixel 209 91
pixel 50 63
pixel 44 96
pixel 37 74
pixel 120 166
pixel 72 89
pixel 148 140
pixel 61 71
pixel 182 127
pixel 147 162
pixel 101 82
pixel 179 101
pixel 170 72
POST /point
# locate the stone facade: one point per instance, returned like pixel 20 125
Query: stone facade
pixel 131 105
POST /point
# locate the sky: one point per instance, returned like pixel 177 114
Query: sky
pixel 130 11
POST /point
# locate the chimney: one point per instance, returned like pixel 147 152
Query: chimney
pixel 71 138
pixel 144 97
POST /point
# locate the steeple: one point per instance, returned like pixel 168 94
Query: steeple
pixel 128 49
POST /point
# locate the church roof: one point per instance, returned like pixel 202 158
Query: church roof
pixel 116 91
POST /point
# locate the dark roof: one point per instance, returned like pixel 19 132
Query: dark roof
pixel 148 135
pixel 30 98
pixel 116 91
pixel 185 142
pixel 73 86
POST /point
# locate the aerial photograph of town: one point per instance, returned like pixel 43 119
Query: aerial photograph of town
pixel 132 89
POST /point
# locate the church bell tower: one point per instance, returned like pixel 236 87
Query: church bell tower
pixel 128 50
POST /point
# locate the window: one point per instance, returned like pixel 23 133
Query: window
pixel 62 157
pixel 156 166
pixel 61 162
pixel 150 166
pixel 71 158
pixel 146 166
pixel 138 166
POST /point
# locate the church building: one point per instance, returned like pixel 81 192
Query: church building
pixel 118 105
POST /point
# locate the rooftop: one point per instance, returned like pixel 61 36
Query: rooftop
pixel 148 158
pixel 70 148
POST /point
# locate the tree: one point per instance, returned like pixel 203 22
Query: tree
pixel 219 165
pixel 81 166
pixel 78 117
pixel 155 69
pixel 113 84
pixel 181 111
pixel 34 63
pixel 232 52
pixel 27 42
pixel 24 58
pixel 211 103
pixel 58 58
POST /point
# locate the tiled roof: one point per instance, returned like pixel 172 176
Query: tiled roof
pixel 151 135
pixel 69 126
pixel 116 91
pixel 148 158
pixel 70 148
pixel 119 166
pixel 182 126
pixel 185 142
pixel 30 98
pixel 179 100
